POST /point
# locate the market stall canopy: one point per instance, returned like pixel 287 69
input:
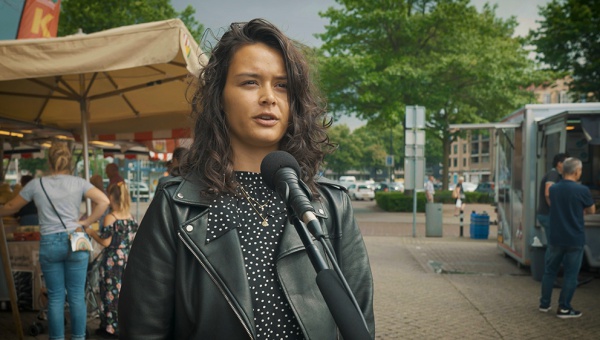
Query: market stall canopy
pixel 109 149
pixel 131 79
pixel 21 150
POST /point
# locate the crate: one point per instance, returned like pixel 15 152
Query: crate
pixel 480 226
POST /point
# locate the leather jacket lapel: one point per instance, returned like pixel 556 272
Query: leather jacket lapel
pixel 222 257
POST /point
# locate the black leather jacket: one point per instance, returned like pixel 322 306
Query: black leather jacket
pixel 176 286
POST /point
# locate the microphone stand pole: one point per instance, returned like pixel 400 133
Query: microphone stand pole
pixel 347 315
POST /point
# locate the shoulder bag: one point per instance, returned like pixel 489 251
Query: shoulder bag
pixel 80 241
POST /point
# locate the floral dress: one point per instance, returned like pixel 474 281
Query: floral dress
pixel 112 267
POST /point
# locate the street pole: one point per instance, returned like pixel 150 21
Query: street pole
pixel 415 181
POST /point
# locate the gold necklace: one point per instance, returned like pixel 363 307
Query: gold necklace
pixel 261 206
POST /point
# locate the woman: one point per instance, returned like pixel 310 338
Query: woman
pixel 63 269
pixel 215 256
pixel 98 182
pixel 459 195
pixel 116 234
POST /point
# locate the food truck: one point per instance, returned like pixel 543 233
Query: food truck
pixel 526 142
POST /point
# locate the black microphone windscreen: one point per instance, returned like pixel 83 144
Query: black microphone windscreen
pixel 275 161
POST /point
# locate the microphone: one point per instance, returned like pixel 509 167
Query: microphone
pixel 280 172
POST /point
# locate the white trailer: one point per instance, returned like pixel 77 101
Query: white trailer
pixel 526 142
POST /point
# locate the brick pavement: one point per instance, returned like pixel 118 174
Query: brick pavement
pixel 460 288
pixel 449 287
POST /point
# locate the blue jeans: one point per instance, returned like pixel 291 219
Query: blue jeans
pixel 64 272
pixel 571 258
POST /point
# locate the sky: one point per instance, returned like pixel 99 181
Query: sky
pixel 300 20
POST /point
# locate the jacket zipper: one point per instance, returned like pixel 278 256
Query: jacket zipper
pixel 217 284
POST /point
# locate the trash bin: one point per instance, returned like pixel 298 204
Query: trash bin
pixel 538 253
pixel 480 226
pixel 433 219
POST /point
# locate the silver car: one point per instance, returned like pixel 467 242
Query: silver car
pixel 358 191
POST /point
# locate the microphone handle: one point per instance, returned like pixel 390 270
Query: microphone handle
pixel 349 320
pixel 313 252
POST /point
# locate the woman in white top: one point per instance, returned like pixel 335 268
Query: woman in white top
pixel 63 269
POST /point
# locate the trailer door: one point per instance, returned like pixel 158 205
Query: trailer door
pixel 551 140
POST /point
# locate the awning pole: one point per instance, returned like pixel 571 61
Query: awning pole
pixel 84 130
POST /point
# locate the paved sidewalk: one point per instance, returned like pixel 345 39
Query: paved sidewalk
pixel 448 287
pixel 460 288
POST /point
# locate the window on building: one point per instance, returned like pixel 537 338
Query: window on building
pixel 485 159
pixel 474 159
pixel 455 149
pixel 465 162
pixel 564 98
pixel 547 98
pixel 474 148
pixel 465 148
pixel 485 147
pixel 455 162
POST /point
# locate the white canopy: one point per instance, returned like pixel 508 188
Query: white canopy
pixel 127 79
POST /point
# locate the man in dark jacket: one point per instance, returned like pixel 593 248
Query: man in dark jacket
pixel 551 177
pixel 570 201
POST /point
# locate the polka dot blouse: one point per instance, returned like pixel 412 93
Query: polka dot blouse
pixel 259 216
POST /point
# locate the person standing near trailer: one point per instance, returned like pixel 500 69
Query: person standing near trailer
pixel 570 201
pixel 551 177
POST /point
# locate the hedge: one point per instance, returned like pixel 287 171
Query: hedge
pixel 399 202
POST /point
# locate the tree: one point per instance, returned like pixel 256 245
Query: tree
pixel 345 156
pixel 373 149
pixel 462 65
pixel 568 41
pixel 98 15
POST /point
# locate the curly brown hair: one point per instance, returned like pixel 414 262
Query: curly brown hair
pixel 210 155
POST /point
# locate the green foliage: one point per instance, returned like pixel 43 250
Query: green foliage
pixel 567 41
pixel 400 202
pixel 98 15
pixel 344 157
pixel 32 165
pixel 462 65
pixel 365 148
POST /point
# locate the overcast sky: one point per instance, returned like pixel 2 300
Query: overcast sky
pixel 300 20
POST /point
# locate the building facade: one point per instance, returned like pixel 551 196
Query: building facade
pixel 473 157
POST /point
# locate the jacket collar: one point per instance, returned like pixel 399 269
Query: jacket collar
pixel 188 192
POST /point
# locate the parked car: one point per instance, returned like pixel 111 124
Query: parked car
pixel 389 186
pixel 361 191
pixel 485 188
pixel 346 181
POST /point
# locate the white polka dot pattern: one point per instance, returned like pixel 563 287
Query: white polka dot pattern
pixel 273 316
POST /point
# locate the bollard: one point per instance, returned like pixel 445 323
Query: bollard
pixel 462 215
